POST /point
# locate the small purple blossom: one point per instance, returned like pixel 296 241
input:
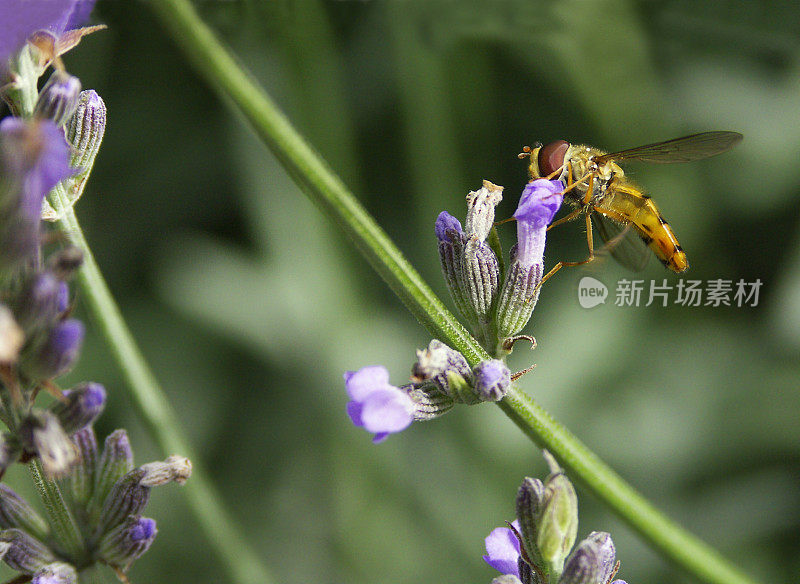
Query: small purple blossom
pixel 502 550
pixel 539 202
pixel 376 405
pixel 75 16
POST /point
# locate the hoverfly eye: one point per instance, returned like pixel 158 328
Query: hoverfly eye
pixel 551 157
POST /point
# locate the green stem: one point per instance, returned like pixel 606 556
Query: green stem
pixel 234 550
pixel 66 530
pixel 228 78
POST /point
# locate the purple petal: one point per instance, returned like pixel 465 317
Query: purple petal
pixel 76 16
pixel 354 411
pixel 502 550
pixel 390 410
pixel 21 18
pixel 444 223
pixel 539 202
pixel 360 384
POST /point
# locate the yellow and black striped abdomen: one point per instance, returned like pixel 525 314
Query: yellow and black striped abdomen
pixel 624 203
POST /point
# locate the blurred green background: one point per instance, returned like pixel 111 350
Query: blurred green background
pixel 249 304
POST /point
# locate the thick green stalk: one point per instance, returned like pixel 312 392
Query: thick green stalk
pixel 228 78
pixel 225 538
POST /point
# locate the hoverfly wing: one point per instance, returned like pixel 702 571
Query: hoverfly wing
pixel 622 241
pixel 685 149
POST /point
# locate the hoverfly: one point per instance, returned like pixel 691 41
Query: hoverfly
pixel 623 214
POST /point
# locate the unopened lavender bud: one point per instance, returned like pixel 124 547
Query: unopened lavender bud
pixel 529 503
pixel 82 406
pixel 128 541
pixel 55 573
pixel 81 480
pixel 16 512
pixel 173 468
pixel 447 369
pixel 557 521
pixel 24 552
pixel 480 210
pixel 58 98
pixel 84 132
pixel 58 353
pixel 451 253
pixel 481 272
pixel 11 337
pixel 115 462
pixel 42 435
pixel 591 562
pixel 128 496
pixel 492 380
pixel 539 202
pixel 430 402
pixel 38 305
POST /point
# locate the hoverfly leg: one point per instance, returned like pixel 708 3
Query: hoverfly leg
pixel 565 218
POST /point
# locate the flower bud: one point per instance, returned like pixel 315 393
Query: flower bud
pixel 81 480
pixel 24 552
pixel 55 573
pixel 447 369
pixel 37 306
pixel 557 519
pixel 42 435
pixel 128 541
pixel 82 406
pixel 58 98
pixel 16 512
pixel 451 252
pixel 58 353
pixel 130 494
pixel 481 272
pixel 84 132
pixel 591 562
pixel 492 380
pixel 529 503
pixel 115 462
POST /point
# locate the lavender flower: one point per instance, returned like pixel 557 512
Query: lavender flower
pixel 34 157
pixel 22 18
pixel 538 204
pixel 82 405
pixel 502 550
pixel 376 405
